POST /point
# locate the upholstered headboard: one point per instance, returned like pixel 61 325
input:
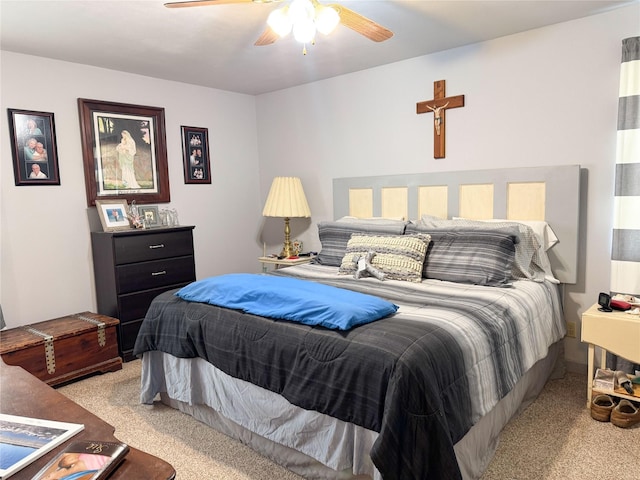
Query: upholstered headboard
pixel 551 194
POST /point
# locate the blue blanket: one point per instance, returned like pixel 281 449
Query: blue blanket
pixel 291 299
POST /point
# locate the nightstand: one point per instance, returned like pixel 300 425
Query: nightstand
pixel 283 262
pixel 616 332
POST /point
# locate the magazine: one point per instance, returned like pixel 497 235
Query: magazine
pixel 24 440
pixel 84 460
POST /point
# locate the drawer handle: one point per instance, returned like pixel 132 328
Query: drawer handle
pixel 154 274
pixel 160 245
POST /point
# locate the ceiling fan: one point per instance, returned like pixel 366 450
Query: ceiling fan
pixel 304 18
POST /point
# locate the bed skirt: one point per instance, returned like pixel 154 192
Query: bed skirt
pixel 322 447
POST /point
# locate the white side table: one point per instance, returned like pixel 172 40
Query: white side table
pixel 283 262
pixel 616 332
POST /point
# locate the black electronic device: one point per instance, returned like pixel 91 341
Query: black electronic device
pixel 604 300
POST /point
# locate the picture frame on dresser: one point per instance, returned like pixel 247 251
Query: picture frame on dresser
pixel 33 147
pixel 113 215
pixel 150 216
pixel 124 152
pixel 195 155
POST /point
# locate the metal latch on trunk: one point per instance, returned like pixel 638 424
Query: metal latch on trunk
pixel 102 338
pixel 49 353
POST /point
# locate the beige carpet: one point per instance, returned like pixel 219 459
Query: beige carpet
pixel 555 438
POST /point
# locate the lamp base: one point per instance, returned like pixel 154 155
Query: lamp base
pixel 287 251
pixel 287 248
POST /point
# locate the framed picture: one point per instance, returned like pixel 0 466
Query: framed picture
pixel 150 215
pixel 33 145
pixel 195 154
pixel 125 152
pixel 113 215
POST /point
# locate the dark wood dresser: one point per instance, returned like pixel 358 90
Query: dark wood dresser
pixel 132 267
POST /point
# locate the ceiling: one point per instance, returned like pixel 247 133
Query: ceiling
pixel 213 46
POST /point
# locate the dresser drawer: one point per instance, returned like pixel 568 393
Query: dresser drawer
pixel 154 246
pixel 128 334
pixel 134 306
pixel 158 273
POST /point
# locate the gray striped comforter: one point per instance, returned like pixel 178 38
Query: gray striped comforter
pixel 420 378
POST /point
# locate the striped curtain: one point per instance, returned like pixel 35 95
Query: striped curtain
pixel 625 256
pixel 625 253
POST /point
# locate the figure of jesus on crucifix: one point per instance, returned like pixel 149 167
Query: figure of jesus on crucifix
pixel 437 118
pixel 439 107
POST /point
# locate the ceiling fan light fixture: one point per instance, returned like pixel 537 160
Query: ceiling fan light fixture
pixel 312 16
pixel 280 21
pixel 326 20
pixel 304 18
pixel 304 31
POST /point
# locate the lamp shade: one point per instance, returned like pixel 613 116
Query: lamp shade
pixel 286 199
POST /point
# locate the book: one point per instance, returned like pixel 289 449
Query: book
pixel 24 439
pixel 84 460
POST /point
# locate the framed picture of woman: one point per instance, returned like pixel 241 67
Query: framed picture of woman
pixel 33 145
pixel 124 151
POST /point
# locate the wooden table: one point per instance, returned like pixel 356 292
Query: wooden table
pixel 23 394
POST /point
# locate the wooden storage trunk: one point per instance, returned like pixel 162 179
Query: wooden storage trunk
pixel 63 349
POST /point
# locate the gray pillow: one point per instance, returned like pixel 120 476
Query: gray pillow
pixel 476 256
pixel 334 237
pixel 527 263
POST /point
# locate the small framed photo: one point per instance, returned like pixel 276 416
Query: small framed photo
pixel 33 145
pixel 113 215
pixel 195 153
pixel 150 215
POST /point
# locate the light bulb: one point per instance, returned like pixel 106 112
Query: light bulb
pixel 304 31
pixel 280 22
pixel 326 19
pixel 300 10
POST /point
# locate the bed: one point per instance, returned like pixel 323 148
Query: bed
pixel 422 393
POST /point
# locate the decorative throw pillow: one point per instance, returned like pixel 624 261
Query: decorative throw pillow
pixel 334 237
pixel 399 257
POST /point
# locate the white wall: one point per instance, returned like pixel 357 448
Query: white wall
pixel 541 98
pixel 46 264
pixel 544 97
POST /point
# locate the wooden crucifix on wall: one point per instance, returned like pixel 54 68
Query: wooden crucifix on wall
pixel 438 106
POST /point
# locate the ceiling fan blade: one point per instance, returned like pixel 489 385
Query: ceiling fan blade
pixel 202 3
pixel 267 38
pixel 362 25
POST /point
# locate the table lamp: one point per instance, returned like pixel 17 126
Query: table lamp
pixel 286 199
